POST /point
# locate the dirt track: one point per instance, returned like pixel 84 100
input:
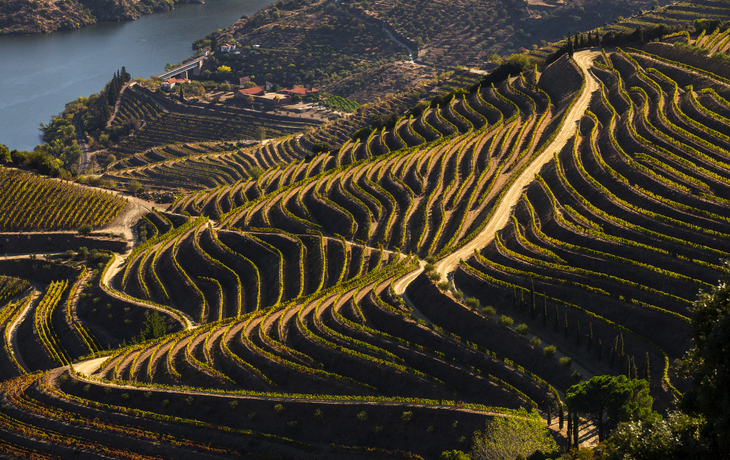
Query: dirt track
pixel 504 209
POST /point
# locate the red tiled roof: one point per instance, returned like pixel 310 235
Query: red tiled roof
pixel 299 91
pixel 257 91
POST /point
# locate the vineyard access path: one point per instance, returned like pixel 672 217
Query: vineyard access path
pixel 12 331
pixel 447 266
pixel 85 370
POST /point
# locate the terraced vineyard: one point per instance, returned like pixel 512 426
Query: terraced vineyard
pixel 330 305
pixel 30 202
pixel 165 123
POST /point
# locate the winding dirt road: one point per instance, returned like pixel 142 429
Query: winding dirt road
pixel 502 214
pixel 447 266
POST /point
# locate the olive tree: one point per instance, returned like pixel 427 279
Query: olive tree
pixel 506 438
pixel 609 400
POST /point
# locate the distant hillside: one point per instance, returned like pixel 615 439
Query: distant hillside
pixel 43 16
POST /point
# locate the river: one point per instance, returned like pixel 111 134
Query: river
pixel 40 73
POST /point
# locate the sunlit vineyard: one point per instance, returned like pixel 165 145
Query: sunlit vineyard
pixel 31 202
pixel 473 259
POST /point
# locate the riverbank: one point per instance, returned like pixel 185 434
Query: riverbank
pixel 75 63
pixel 20 17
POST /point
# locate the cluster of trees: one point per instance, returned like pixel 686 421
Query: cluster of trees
pixel 90 115
pixel 620 408
pixel 612 38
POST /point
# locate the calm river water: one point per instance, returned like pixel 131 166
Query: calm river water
pixel 40 73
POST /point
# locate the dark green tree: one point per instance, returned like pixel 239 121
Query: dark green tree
pixel 561 417
pixel 708 364
pixel 4 153
pixel 610 400
pixel 570 45
pixel 154 326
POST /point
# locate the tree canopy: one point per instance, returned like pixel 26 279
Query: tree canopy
pixel 610 400
pixel 507 438
pixel 708 363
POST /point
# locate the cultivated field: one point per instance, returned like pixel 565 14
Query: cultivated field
pixel 332 305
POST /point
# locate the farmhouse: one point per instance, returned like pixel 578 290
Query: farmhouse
pixel 299 91
pixel 172 82
pixel 227 48
pixel 255 91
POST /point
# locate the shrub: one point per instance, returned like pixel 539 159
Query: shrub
pixel 233 404
pixel 165 402
pixel 430 429
pixel 318 414
pixel 489 310
pixel 378 429
pixel 505 321
pixel 251 416
pixel 435 276
pixel 549 351
pixel 279 409
pixel 458 294
pixel 85 229
pixel 472 302
pixel 430 259
pixel 443 285
pixel 429 267
pixel 577 376
pixel 87 388
pixel 522 329
pixel 134 186
pixel 147 395
pixel 535 342
pixel 566 361
pixel 362 416
pixel 407 416
pixel 292 425
pixel 189 400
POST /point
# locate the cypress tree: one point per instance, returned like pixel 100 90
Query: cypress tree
pixel 613 351
pixel 621 344
pixel 621 353
pixel 544 311
pixel 577 335
pixel 634 369
pixel 647 368
pixel 565 326
pixel 514 298
pixel 590 336
pixel 570 423
pixel 549 412
pixel 570 45
pixel 600 349
pixel 105 112
pixel 575 429
pixel 557 318
pixel 561 417
pixel 627 371
pixel 533 308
